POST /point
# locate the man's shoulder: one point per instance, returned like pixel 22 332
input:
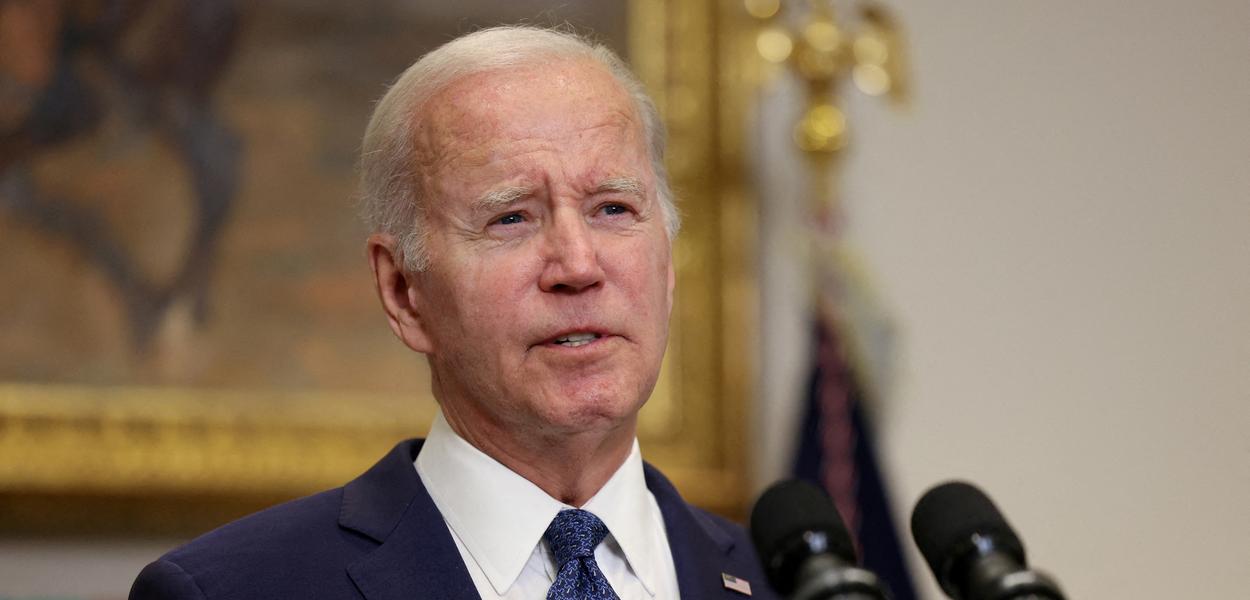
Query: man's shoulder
pixel 274 529
pixel 713 521
pixel 722 530
pixel 298 549
pixel 275 551
pixel 708 545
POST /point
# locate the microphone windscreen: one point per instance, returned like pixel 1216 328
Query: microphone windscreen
pixel 790 508
pixel 948 516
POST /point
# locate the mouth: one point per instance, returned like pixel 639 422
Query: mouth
pixel 576 339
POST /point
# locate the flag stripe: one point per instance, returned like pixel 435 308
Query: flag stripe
pixel 836 452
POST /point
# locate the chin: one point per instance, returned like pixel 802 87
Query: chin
pixel 598 408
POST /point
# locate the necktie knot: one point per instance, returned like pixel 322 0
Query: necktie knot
pixel 574 533
pixel 572 538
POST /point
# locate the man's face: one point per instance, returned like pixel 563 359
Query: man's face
pixel 546 303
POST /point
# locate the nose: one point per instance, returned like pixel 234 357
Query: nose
pixel 571 257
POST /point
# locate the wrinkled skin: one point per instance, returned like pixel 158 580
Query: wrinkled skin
pixel 543 221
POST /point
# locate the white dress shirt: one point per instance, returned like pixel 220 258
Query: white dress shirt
pixel 497 519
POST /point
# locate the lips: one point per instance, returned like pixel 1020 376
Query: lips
pixel 576 337
pixel 574 340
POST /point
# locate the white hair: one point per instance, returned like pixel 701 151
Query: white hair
pixel 390 201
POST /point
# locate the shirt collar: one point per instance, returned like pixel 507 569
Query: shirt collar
pixel 500 516
pixel 626 506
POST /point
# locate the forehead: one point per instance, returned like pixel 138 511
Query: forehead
pixel 573 107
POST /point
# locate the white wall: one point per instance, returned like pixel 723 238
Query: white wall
pixel 1061 228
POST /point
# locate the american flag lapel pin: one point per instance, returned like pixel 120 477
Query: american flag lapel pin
pixel 741 586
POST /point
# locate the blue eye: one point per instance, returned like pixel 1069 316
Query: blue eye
pixel 511 219
pixel 615 209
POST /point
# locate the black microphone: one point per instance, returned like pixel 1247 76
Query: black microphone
pixel 806 550
pixel 973 552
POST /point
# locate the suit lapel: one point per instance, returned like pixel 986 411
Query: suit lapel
pixel 417 557
pixel 700 546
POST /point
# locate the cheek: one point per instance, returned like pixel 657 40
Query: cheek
pixel 648 271
pixel 491 289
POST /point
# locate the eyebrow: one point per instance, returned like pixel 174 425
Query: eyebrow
pixel 505 196
pixel 627 185
pixel 500 198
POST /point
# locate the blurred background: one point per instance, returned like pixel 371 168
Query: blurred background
pixel 1018 253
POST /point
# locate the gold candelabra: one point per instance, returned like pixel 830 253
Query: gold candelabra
pixel 825 51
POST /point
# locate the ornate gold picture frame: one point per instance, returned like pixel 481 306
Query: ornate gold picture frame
pixel 172 458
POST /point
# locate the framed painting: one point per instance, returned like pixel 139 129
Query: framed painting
pixel 187 326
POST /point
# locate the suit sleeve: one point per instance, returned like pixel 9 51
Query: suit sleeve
pixel 165 580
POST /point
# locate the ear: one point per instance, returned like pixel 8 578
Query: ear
pixel 397 291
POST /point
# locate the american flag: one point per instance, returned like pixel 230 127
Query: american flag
pixel 836 452
pixel 741 586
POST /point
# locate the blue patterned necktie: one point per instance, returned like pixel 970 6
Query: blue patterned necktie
pixel 572 537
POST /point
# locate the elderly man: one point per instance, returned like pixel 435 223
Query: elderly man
pixel 522 237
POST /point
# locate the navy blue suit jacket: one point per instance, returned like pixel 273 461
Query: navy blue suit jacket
pixel 380 537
